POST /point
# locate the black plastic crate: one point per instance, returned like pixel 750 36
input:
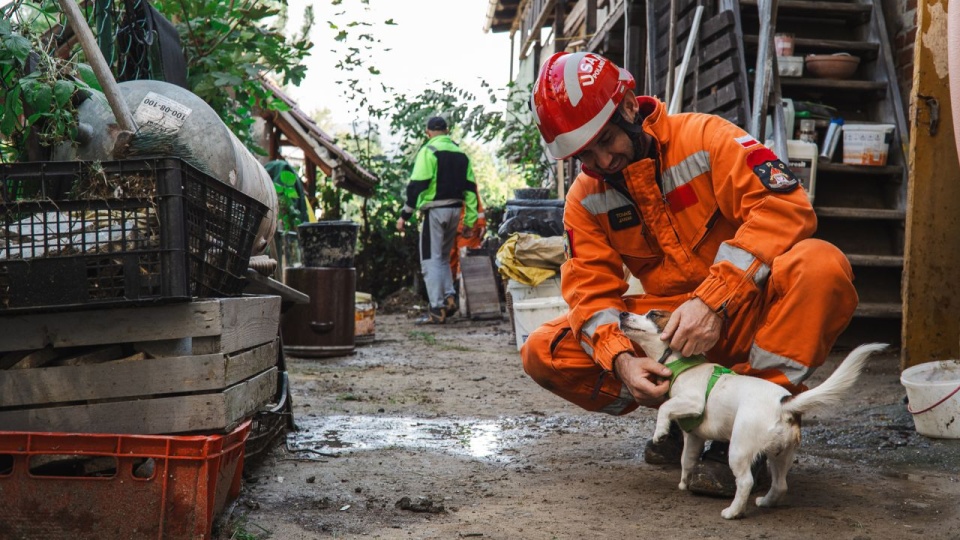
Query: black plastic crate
pixel 77 234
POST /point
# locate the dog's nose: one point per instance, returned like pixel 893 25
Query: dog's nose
pixel 624 315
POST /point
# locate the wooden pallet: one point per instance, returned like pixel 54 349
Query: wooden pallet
pixel 481 297
pixel 198 366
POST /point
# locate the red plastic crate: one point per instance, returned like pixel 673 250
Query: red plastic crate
pixel 192 480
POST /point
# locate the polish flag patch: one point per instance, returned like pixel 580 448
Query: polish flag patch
pixel 746 141
pixel 681 198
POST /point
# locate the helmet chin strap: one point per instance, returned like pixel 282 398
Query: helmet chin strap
pixel 634 130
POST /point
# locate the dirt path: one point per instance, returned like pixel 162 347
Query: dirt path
pixel 438 433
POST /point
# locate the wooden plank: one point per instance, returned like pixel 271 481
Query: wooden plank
pixel 718 73
pixel 217 411
pixel 246 322
pixel 832 84
pixel 931 295
pixel 861 213
pixel 149 377
pixel 824 166
pixel 879 310
pixel 885 261
pixel 866 50
pixel 105 326
pixel 479 284
pixel 723 96
pixel 213 317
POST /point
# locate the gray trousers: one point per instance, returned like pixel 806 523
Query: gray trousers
pixel 437 237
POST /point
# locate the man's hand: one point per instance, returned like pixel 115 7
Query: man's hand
pixel 647 380
pixel 693 328
pixel 400 223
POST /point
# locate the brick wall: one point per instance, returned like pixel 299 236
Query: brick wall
pixel 901 18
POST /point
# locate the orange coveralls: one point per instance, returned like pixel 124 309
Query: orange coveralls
pixel 474 241
pixel 729 225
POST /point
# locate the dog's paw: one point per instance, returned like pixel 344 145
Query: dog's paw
pixel 731 513
pixel 682 486
pixel 768 501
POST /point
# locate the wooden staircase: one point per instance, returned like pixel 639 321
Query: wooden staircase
pixel 861 209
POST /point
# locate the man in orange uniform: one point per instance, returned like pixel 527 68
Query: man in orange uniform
pixel 713 224
pixel 467 237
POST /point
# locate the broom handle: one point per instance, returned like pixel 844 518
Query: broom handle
pixel 100 68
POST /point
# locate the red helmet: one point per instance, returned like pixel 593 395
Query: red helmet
pixel 574 97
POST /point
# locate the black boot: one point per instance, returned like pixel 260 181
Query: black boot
pixel 668 450
pixel 712 475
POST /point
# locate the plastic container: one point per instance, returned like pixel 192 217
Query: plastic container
pixel 99 234
pixel 86 486
pixel 933 390
pixel 547 288
pixel 532 193
pixel 790 66
pixel 866 144
pixel 365 327
pixel 783 43
pixel 328 244
pixel 803 163
pixel 529 314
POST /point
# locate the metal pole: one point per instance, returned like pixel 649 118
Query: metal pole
pixel 648 84
pixel 676 101
pixel 761 83
pixel 671 50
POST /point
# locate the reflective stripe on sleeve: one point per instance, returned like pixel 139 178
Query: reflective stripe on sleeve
pixel 691 167
pixel 599 318
pixel 742 259
pixel 601 203
pixel 794 371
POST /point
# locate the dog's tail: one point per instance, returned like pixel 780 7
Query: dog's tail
pixel 833 389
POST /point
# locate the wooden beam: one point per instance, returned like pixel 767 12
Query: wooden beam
pixel 931 295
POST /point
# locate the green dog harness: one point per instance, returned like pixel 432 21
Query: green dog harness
pixel 682 364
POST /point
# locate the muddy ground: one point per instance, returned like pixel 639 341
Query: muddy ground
pixel 436 432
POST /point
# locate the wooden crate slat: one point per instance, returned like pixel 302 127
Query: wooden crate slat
pixel 217 411
pixel 235 323
pixel 149 377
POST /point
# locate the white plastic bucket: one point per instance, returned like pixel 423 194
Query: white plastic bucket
pixel 936 413
pixel 529 314
pixel 866 144
pixel 547 288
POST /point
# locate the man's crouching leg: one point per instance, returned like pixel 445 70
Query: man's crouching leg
pixel 553 358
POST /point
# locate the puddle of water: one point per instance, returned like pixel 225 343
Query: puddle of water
pixel 489 440
pixel 341 434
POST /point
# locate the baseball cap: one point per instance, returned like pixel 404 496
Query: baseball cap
pixel 437 123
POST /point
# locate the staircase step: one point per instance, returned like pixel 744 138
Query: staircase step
pixel 860 213
pixel 866 50
pixel 824 166
pixel 879 310
pixel 884 261
pixel 802 9
pixel 833 84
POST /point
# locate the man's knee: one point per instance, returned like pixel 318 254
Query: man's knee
pixel 822 264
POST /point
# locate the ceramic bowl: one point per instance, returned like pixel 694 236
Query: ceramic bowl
pixel 832 66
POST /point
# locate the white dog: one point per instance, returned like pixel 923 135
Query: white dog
pixel 755 415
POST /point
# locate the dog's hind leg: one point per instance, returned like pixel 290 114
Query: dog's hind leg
pixel 692 448
pixel 779 465
pixel 740 462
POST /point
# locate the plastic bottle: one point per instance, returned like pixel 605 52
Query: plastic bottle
pixel 832 138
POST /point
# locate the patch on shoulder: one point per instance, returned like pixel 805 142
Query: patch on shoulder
pixel 773 173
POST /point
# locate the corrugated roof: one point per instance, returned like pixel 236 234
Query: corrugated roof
pixel 501 15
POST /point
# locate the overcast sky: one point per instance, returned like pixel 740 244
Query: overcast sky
pixel 432 39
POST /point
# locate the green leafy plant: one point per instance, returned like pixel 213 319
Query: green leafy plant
pixel 228 46
pixel 287 198
pixel 37 105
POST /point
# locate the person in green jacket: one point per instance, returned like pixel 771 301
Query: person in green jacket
pixel 441 185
